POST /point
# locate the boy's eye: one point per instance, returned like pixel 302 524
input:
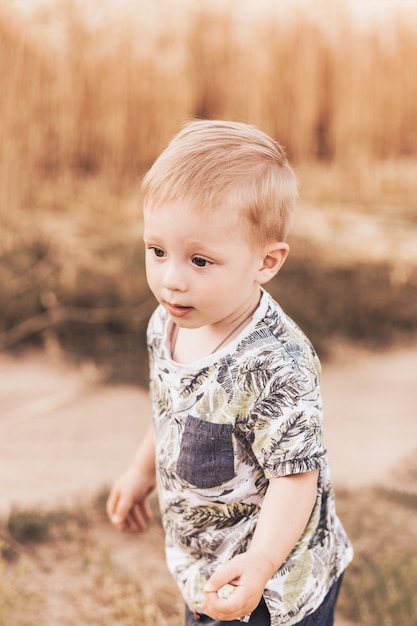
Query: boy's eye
pixel 158 252
pixel 200 262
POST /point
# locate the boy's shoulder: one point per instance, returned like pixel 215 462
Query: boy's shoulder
pixel 279 334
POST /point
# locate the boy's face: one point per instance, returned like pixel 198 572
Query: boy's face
pixel 200 267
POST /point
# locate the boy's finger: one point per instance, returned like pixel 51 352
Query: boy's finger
pixel 119 512
pixel 223 576
pixel 111 504
pixel 147 510
pixel 140 517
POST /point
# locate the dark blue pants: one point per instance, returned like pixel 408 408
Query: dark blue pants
pixel 323 616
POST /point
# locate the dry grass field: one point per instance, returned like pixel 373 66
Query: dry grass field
pixel 70 567
pixel 88 98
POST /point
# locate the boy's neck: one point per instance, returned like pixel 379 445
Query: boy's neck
pixel 190 345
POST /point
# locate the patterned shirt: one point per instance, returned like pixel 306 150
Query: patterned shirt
pixel 226 424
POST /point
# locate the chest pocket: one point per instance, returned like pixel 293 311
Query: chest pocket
pixel 206 457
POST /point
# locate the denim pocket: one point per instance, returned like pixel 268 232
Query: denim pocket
pixel 206 457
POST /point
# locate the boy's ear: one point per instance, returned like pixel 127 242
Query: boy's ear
pixel 274 255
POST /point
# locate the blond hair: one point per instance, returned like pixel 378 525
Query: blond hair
pixel 219 164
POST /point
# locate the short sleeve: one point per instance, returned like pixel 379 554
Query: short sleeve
pixel 285 425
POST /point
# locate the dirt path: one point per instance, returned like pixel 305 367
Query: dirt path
pixel 62 434
pixel 370 402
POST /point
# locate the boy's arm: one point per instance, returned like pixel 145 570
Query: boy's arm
pixel 128 505
pixel 284 515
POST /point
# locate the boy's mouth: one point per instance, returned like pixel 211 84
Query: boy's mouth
pixel 177 311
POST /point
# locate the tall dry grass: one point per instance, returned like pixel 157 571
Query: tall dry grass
pixel 91 92
pixel 104 95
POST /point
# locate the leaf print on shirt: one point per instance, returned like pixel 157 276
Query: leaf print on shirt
pixel 275 323
pixel 191 382
pixel 257 372
pixel 301 435
pixel 266 415
pixel 256 338
pixel 226 377
pixel 297 444
pixel 294 350
pixel 220 517
pixel 296 580
pixel 283 392
pixel 161 397
pixel 168 479
pixel 209 403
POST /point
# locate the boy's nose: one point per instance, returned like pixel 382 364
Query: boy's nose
pixel 173 279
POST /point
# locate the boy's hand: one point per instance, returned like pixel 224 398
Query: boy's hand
pixel 284 514
pixel 128 505
pixel 247 573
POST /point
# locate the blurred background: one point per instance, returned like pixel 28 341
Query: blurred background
pixel 90 93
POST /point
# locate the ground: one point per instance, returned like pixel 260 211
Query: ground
pixel 64 436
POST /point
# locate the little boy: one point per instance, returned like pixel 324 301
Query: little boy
pixel 236 449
